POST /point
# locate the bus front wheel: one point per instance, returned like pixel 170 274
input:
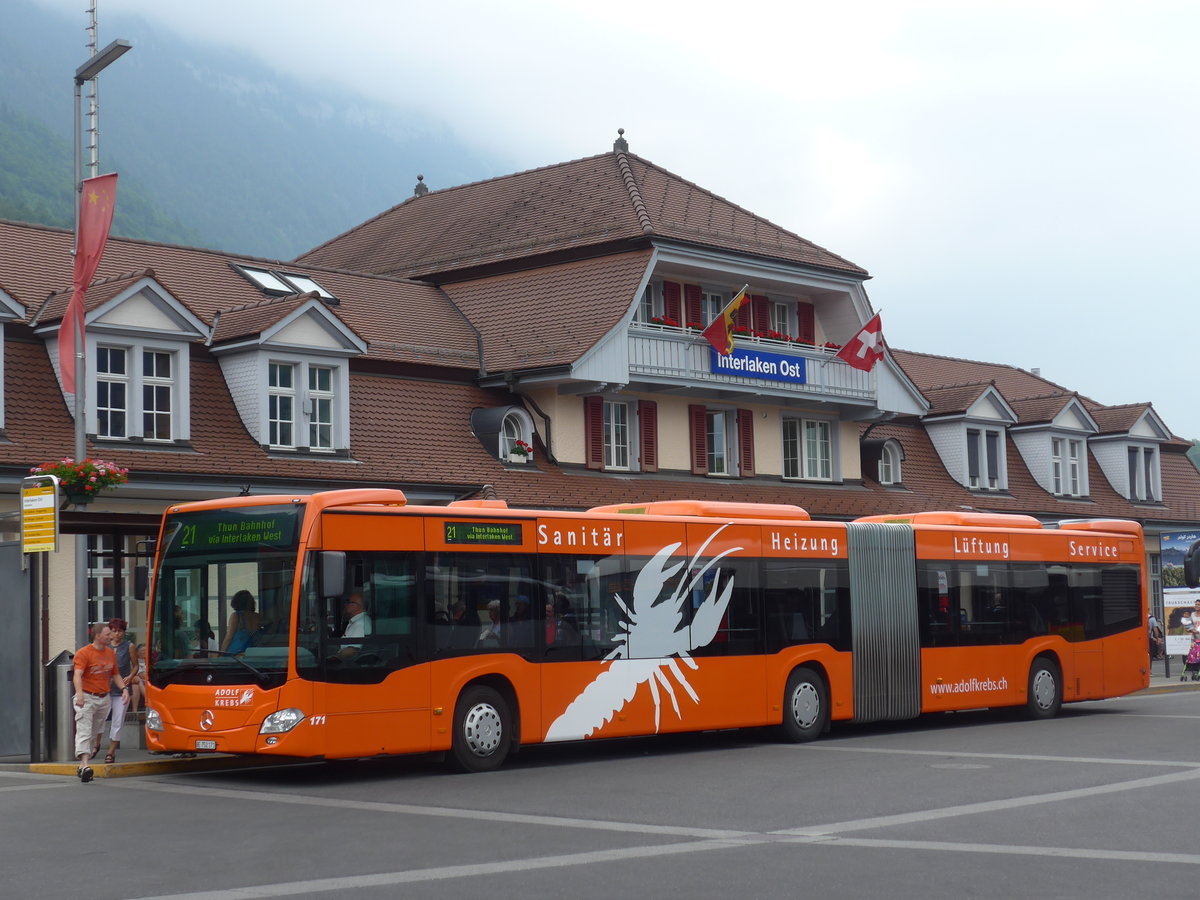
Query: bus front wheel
pixel 1045 689
pixel 805 707
pixel 482 730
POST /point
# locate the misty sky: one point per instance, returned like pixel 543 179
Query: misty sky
pixel 1018 177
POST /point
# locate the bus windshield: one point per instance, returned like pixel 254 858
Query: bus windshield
pixel 223 595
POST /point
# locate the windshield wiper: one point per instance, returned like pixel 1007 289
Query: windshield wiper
pixel 190 665
pixel 258 673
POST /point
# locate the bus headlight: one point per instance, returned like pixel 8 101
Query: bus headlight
pixel 153 720
pixel 284 720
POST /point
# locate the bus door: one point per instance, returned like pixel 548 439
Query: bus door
pixel 884 621
pixel 363 650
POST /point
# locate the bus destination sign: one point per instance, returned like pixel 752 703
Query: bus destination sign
pixel 484 533
pixel 235 530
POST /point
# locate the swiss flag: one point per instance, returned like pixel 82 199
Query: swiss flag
pixel 864 349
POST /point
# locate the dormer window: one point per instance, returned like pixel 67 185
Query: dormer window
pixel 1066 457
pixel 890 457
pixel 138 400
pixel 299 391
pixel 1144 483
pixel 985 462
pixel 515 429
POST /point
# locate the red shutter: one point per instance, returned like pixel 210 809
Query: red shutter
pixel 691 302
pixel 593 431
pixel 807 331
pixel 671 306
pixel 762 314
pixel 698 426
pixel 745 427
pixel 648 433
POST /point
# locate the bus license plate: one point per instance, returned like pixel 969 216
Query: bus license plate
pixel 206 745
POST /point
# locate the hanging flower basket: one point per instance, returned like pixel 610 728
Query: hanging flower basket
pixel 82 481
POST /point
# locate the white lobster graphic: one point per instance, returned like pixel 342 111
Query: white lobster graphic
pixel 653 629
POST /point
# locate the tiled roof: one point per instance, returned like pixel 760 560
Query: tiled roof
pixel 1034 410
pixel 1118 419
pixel 928 371
pixel 403 321
pixel 600 200
pixel 254 318
pixel 955 398
pixel 563 310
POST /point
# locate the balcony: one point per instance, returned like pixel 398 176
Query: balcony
pixel 663 356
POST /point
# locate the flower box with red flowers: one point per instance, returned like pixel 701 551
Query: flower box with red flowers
pixel 81 481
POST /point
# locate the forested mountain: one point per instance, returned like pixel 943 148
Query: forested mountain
pixel 211 149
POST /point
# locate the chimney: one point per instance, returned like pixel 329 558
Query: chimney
pixel 422 188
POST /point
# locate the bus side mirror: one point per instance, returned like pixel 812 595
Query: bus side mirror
pixel 333 573
pixel 1191 565
pixel 141 582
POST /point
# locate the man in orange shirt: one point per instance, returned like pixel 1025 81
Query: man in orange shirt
pixel 95 667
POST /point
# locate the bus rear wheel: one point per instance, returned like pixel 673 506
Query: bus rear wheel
pixel 1045 689
pixel 805 707
pixel 482 730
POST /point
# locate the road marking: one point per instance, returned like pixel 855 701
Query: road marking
pixel 36 787
pixel 473 870
pixel 1020 757
pixel 970 809
pixel 1137 856
pixel 832 834
pixel 479 815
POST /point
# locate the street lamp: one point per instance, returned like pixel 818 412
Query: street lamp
pixel 89 70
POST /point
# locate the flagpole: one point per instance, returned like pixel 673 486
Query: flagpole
pixel 86 72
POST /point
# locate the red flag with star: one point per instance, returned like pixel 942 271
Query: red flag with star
pixel 95 220
pixel 720 331
pixel 864 349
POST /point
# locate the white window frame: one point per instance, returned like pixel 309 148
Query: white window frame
pixel 989 474
pixel 720 435
pixel 618 430
pixel 312 405
pixel 1145 474
pixel 515 426
pixel 280 395
pixel 649 305
pixel 135 381
pixel 319 406
pixel 1066 467
pixel 780 316
pixel 154 382
pixel 109 381
pixel 800 462
pixel 890 464
pixel 711 304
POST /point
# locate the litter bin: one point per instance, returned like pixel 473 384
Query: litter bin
pixel 59 720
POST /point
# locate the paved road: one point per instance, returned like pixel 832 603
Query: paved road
pixel 1097 803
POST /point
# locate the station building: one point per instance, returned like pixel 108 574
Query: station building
pixel 557 309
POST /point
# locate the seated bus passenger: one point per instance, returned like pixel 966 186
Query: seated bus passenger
pixel 358 623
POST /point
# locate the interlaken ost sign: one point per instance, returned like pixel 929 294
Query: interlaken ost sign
pixel 759 364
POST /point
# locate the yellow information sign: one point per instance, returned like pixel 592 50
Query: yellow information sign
pixel 39 515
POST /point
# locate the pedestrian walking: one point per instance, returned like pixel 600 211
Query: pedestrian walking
pixel 127 666
pixel 95 666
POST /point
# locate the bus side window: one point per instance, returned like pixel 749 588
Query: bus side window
pixel 792 607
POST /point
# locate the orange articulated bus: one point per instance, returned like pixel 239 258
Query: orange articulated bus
pixel 352 624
